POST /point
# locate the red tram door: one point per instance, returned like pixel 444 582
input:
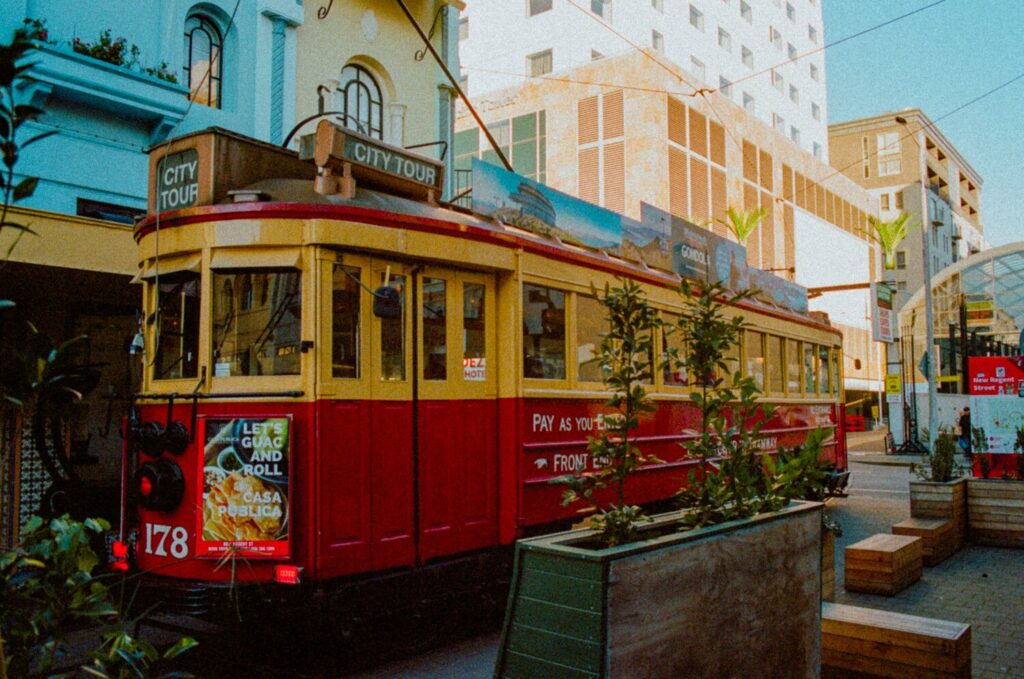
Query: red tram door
pixel 456 412
pixel 407 416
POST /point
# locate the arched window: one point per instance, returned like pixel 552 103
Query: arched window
pixel 203 61
pixel 361 101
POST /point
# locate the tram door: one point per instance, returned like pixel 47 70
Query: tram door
pixel 456 412
pixel 407 415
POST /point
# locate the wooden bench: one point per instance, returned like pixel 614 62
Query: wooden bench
pixel 937 535
pixel 883 564
pixel 858 642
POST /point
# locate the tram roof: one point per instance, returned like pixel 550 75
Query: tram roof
pixel 296 198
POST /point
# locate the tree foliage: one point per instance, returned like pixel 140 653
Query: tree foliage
pixel 889 234
pixel 743 223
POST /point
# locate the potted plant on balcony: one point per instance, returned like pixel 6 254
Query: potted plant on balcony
pixel 679 595
pixel 940 491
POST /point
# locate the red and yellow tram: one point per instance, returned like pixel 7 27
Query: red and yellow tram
pixel 350 382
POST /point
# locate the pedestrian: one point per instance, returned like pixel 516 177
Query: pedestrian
pixel 965 432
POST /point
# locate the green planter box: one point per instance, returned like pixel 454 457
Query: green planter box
pixel 738 599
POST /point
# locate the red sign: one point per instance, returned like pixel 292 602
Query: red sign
pixel 996 375
pixel 244 501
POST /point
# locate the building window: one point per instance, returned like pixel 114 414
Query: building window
pixel 745 12
pixel 775 38
pixel 724 39
pixel 539 63
pixel 779 123
pixel 601 8
pixel 778 81
pixel 814 72
pixel 901 286
pixel 901 259
pixel 812 33
pixel 794 134
pixel 790 12
pixel 361 101
pixel 696 18
pixel 725 86
pixel 109 212
pixel 658 5
pixel 203 61
pixel 747 56
pixel 595 55
pixel 884 201
pixel 794 94
pixel 748 103
pixel 657 41
pixel 463 28
pixel 817 151
pixel 697 66
pixel 889 154
pixel 899 200
pixel 535 7
pixel 790 50
pixel 815 111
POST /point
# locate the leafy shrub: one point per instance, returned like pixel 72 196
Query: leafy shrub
pixel 117 51
pixel 940 466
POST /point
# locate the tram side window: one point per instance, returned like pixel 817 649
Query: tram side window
pixel 810 369
pixel 673 377
pixel 177 350
pixel 824 384
pixel 543 333
pixel 345 322
pixel 775 365
pixel 256 335
pixel 474 339
pixel 435 329
pixel 754 346
pixel 590 323
pixel 835 372
pixel 392 336
pixel 794 352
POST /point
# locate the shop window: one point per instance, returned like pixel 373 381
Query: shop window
pixel 775 364
pixel 754 349
pixel 392 335
pixel 590 324
pixel 543 333
pixel 361 103
pixel 345 316
pixel 435 329
pixel 177 349
pixel 794 377
pixel 260 339
pixel 203 61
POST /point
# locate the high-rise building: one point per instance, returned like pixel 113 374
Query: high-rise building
pixel 766 57
pixel 905 161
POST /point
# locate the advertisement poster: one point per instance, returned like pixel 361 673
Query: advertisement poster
pixel 246 493
pixel 1000 418
pixel 882 315
pixel 996 376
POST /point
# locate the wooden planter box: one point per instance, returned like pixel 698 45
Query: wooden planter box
pixel 738 599
pixel 996 512
pixel 946 500
pixel 828 565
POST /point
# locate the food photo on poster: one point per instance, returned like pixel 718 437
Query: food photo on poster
pixel 245 495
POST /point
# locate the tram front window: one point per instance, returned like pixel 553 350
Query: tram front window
pixel 345 322
pixel 256 332
pixel 392 336
pixel 177 349
pixel 543 333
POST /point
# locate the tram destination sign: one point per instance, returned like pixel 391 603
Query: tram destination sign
pixel 372 162
pixel 177 180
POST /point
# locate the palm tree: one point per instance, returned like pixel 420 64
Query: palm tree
pixel 742 224
pixel 889 234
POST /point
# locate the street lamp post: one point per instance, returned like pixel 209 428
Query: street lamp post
pixel 927 272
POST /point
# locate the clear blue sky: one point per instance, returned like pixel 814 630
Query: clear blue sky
pixel 937 60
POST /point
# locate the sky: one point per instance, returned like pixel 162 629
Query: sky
pixel 938 60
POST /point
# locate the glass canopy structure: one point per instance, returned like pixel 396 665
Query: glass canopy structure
pixel 978 310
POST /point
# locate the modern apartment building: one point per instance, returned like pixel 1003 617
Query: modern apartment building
pixel 639 142
pixel 765 56
pixel 905 161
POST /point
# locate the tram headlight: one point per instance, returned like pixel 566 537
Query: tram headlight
pixel 160 485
